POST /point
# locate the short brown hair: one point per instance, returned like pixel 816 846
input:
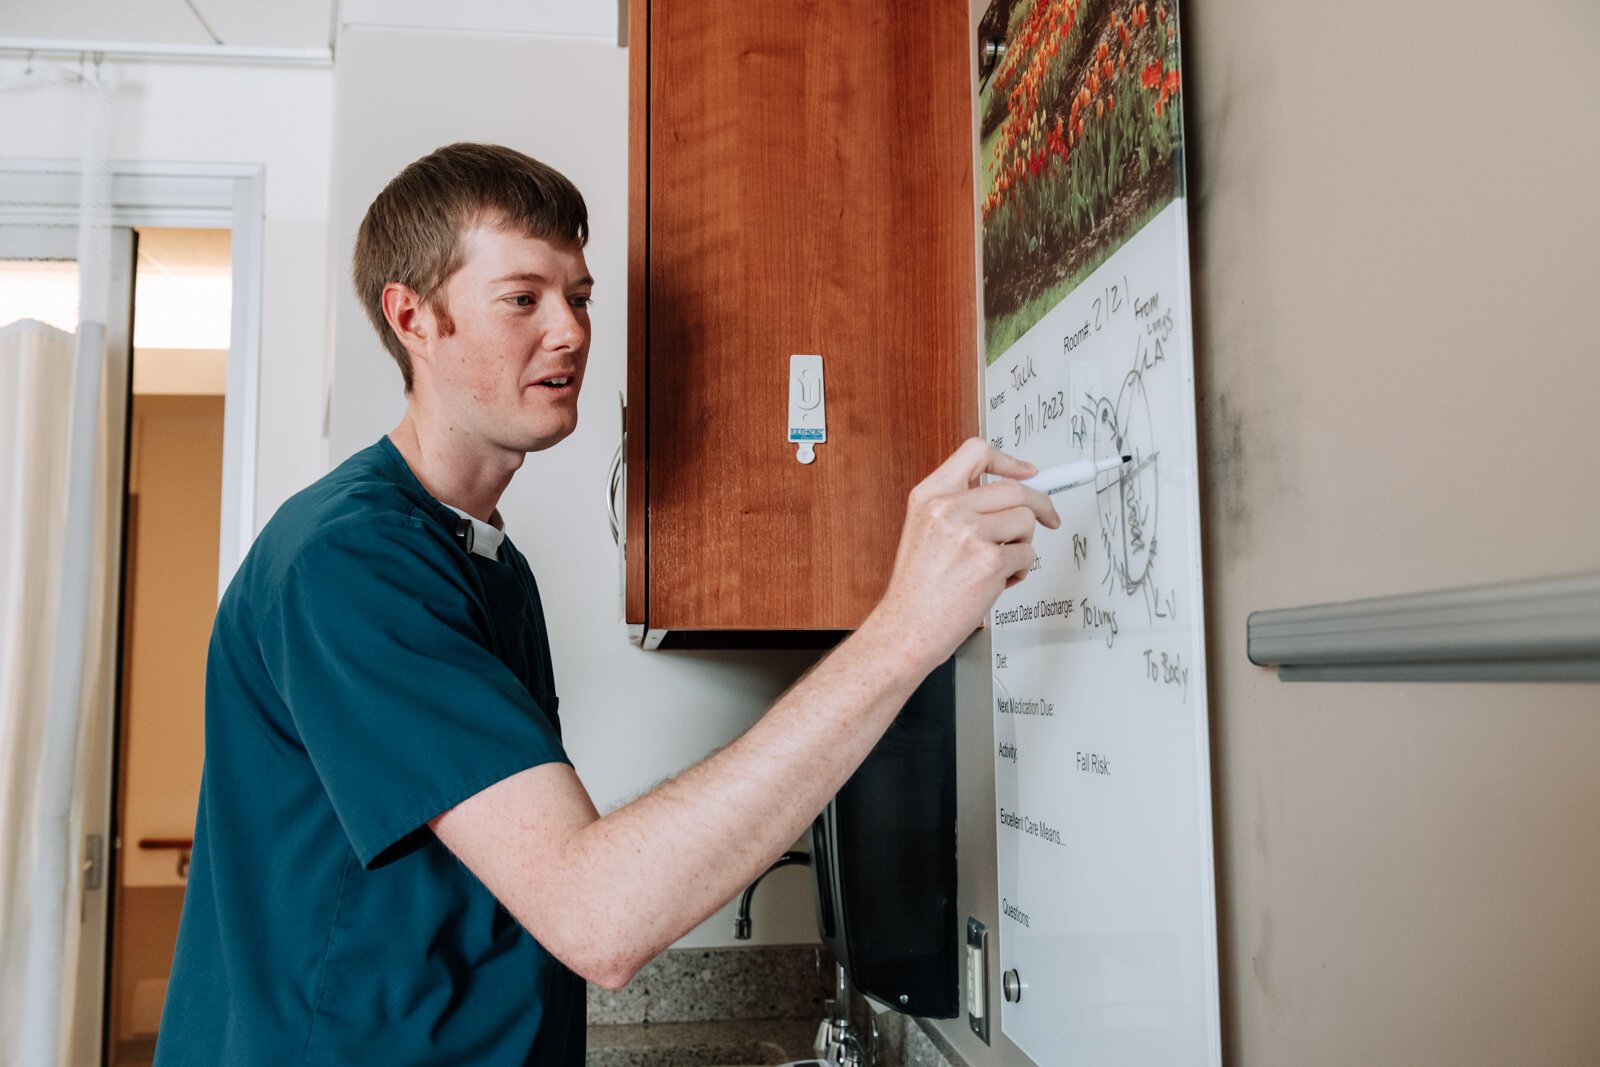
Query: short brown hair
pixel 412 232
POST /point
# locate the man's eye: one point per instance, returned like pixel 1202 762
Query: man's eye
pixel 582 301
pixel 523 300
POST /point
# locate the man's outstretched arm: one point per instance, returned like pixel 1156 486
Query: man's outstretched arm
pixel 605 895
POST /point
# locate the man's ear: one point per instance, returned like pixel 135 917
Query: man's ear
pixel 408 318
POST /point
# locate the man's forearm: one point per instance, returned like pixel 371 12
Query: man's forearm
pixel 658 866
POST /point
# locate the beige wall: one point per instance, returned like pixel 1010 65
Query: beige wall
pixel 1388 267
pixel 1393 228
pixel 147 934
pixel 175 493
pixel 180 371
pixel 175 485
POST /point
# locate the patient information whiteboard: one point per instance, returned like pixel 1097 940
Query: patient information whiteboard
pixel 1107 930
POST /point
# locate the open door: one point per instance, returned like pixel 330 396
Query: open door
pixel 169 600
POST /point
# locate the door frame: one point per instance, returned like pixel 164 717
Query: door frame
pixel 44 192
pixel 224 196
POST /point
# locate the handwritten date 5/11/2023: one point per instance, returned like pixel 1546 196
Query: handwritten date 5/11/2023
pixel 1036 417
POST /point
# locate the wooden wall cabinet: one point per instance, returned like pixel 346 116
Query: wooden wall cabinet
pixel 801 182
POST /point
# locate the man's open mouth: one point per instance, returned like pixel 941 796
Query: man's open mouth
pixel 556 383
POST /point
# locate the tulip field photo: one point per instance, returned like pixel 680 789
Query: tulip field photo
pixel 1081 146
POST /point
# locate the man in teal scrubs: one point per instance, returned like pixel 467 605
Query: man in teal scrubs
pixel 395 862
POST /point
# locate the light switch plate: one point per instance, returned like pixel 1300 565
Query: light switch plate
pixel 977 978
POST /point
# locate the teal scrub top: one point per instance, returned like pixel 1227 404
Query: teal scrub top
pixel 366 673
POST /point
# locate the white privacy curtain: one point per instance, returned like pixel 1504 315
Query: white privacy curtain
pixel 59 480
pixel 53 666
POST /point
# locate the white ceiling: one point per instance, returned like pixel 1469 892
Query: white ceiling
pixel 290 24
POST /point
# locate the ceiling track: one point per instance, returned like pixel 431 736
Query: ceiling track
pixel 56 48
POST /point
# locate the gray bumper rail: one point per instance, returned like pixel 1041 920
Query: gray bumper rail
pixel 1546 630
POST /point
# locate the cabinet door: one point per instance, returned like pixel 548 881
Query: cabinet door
pixel 808 190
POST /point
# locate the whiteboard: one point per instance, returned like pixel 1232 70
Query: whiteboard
pixel 1102 806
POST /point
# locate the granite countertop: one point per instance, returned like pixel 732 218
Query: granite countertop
pixel 725 1042
pixel 723 1007
pixel 739 1007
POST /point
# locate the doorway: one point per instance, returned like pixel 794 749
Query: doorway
pixel 182 317
pixel 38 239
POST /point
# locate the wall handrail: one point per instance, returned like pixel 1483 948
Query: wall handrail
pixel 1546 629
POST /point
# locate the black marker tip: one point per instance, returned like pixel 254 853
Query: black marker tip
pixel 1127 459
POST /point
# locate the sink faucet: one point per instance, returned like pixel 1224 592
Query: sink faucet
pixel 741 925
pixel 837 1039
pixel 837 1042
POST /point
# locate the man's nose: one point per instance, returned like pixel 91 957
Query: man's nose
pixel 566 330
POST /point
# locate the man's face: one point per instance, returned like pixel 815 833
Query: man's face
pixel 509 375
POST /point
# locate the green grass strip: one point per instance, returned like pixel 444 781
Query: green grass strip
pixel 1001 334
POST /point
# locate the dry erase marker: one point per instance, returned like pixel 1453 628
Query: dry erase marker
pixel 1070 475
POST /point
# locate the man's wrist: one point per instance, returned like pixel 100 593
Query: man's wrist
pixel 901 644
